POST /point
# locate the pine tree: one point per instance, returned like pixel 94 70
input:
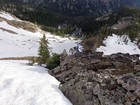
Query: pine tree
pixel 44 53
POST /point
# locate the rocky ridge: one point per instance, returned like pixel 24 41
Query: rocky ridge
pixel 89 78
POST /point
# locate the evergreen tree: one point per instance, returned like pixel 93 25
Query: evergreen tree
pixel 44 53
pixel 54 61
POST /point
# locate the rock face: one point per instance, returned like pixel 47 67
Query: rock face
pixel 94 79
pixel 81 7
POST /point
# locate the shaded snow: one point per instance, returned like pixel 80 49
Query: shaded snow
pixel 21 84
pixel 118 44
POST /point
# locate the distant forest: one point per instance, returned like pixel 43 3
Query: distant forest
pixel 61 25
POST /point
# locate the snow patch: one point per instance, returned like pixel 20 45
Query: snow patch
pixel 21 84
pixel 8 16
pixel 118 44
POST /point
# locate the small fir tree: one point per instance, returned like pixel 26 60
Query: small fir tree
pixel 44 53
pixel 54 61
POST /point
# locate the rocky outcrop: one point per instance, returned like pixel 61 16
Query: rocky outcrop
pixel 93 79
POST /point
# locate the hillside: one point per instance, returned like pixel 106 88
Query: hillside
pixel 92 8
pixel 61 24
pixel 21 38
pixel 22 84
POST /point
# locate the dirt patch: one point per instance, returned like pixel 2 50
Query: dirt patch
pixel 10 31
pixel 24 25
pixel 19 58
pixel 21 24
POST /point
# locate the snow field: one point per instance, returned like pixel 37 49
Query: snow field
pixel 21 84
pixel 20 42
pixel 118 44
pixel 28 85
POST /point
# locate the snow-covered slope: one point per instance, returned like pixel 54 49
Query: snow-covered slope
pixel 8 16
pixel 21 84
pixel 118 44
pixel 17 41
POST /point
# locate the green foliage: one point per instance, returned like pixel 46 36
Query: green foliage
pixel 44 53
pixel 32 60
pixel 132 30
pixel 53 61
pixel 49 21
pixel 61 32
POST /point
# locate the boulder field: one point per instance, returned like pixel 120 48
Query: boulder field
pixel 90 78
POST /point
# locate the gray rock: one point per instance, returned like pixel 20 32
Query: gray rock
pixel 108 80
pixel 130 82
pixel 138 101
pixel 127 103
pixel 131 96
pixel 137 92
pixel 57 70
pixel 90 103
pixel 137 67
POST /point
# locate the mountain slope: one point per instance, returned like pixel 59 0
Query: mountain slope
pixel 61 24
pixel 20 38
pixel 82 7
pixel 50 20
